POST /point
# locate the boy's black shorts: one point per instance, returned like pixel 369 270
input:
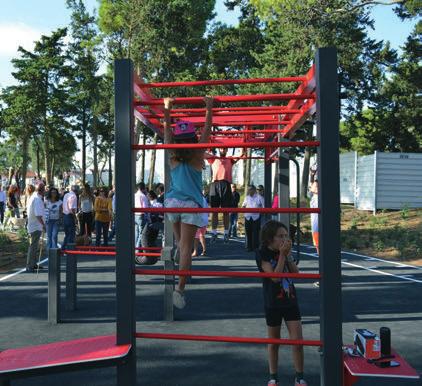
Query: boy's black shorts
pixel 220 194
pixel 274 316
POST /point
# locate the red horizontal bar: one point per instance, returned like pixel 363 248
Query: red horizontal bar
pixel 277 109
pixel 236 158
pixel 226 210
pixel 113 247
pixel 228 99
pixel 229 339
pixel 173 272
pixel 238 123
pixel 231 132
pixel 222 82
pixel 106 253
pixel 222 145
pixel 225 114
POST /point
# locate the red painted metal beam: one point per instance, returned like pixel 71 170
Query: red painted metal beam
pixel 228 339
pixel 226 210
pixel 222 82
pixel 233 132
pixel 229 99
pixel 233 144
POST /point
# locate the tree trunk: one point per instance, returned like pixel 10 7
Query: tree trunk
pixel 144 139
pixel 25 157
pixel 11 174
pixel 152 165
pixel 95 144
pixel 38 158
pixel 248 167
pixel 110 165
pixel 305 171
pixel 84 130
pixel 47 159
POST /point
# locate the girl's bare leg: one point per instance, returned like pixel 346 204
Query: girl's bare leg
pixel 273 333
pixel 295 332
pixel 187 235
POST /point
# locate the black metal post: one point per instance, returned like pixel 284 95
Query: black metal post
pixel 53 286
pixel 125 237
pixel 283 186
pixel 71 280
pixel 297 206
pixel 328 114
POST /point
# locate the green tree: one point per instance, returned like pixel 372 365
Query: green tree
pixel 393 121
pixel 21 119
pixel 43 71
pixel 83 52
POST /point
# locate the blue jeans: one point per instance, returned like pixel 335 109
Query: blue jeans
pixel 69 230
pixel 52 232
pixel 233 224
pixel 140 224
pixel 101 227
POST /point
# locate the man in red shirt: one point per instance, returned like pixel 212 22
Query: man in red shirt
pixel 220 190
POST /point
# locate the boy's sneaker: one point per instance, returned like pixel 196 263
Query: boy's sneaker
pixel 273 382
pixel 214 238
pixel 301 382
pixel 226 239
pixel 179 300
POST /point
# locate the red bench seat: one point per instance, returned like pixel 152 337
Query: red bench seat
pixel 54 355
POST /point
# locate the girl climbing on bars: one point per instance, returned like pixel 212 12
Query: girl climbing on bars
pixel 185 191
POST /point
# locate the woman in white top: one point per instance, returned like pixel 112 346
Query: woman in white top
pixel 86 208
pixel 53 212
pixel 252 220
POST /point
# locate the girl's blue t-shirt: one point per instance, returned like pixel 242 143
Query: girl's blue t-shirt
pixel 186 184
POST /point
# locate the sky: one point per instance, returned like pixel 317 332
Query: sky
pixel 24 21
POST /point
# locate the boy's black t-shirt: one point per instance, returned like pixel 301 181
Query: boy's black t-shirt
pixel 280 294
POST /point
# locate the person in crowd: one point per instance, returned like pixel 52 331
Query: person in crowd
pixel 53 206
pixel 12 201
pixel 151 230
pixel 35 227
pixel 220 192
pixel 141 219
pixel 314 204
pixel 252 220
pixel 185 191
pixel 280 300
pixel 260 190
pixel 86 209
pixel 160 193
pixel 200 233
pixel 3 200
pixel 103 212
pixel 112 232
pixel 234 216
pixel 70 205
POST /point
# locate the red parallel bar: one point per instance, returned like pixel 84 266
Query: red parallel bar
pixel 225 114
pixel 239 123
pixel 270 275
pixel 228 99
pixel 231 132
pixel 236 158
pixel 108 253
pixel 222 145
pixel 277 109
pixel 112 247
pixel 229 339
pixel 218 82
pixel 226 210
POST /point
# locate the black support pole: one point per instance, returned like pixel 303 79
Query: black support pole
pixel 125 233
pixel 54 286
pixel 328 113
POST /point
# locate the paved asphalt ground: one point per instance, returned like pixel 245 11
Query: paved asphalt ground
pixel 375 293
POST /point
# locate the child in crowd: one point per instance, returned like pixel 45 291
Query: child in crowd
pixel 280 299
pixel 200 233
pixel 252 220
pixel 185 191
